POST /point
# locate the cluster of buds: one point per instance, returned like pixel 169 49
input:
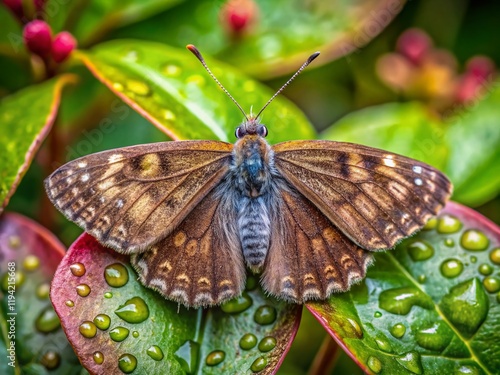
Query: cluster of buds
pixel 39 40
pixel 418 70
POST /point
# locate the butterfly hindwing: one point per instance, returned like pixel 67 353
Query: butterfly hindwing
pixel 310 258
pixel 132 197
pixel 200 263
pixel 374 197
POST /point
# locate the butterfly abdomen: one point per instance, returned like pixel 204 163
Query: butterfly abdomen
pixel 254 229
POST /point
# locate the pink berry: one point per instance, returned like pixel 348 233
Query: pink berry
pixel 38 37
pixel 480 67
pixel 64 44
pixel 414 44
pixel 238 15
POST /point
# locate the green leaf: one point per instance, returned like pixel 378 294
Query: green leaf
pixel 474 160
pixel 404 128
pixel 92 20
pixel 429 307
pixel 11 37
pixel 30 333
pixel 116 317
pixel 284 35
pixel 170 88
pixel 25 129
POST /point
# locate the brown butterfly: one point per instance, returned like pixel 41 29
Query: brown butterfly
pixel 303 213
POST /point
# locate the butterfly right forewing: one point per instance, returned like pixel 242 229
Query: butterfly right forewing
pixel 132 197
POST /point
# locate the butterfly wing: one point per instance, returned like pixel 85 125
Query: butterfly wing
pixel 200 263
pixel 132 197
pixel 311 258
pixel 374 197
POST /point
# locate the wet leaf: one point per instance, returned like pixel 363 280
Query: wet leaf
pixel 404 128
pixel 29 328
pixel 110 319
pixel 170 88
pixel 281 38
pixel 25 130
pixel 430 306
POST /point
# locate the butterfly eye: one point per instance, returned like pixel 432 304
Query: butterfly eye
pixel 239 132
pixel 262 131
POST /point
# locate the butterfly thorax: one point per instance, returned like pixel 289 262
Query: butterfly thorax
pixel 251 175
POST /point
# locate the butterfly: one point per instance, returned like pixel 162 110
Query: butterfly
pixel 305 215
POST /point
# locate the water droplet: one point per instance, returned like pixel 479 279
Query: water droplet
pixel 77 269
pixel 116 275
pixel 485 269
pixel 138 87
pixel 18 280
pixel 31 263
pixel 196 79
pixel 215 357
pixel 43 290
pixel 187 356
pixel 98 357
pixel 265 315
pixel 357 331
pixel 421 279
pixel 127 363
pixel 251 283
pixel 169 115
pixel 47 321
pixel 131 55
pixel 448 224
pixel 374 364
pixel 449 242
pixel 259 364
pixel 467 370
pixel 102 321
pixel 431 224
pixel 411 362
pixel 135 334
pixel 69 303
pixel 133 310
pixel 491 284
pixel 88 329
pixel 118 86
pixel 451 268
pixel 377 314
pixel 267 344
pixel 436 337
pixel 83 290
pixel 495 255
pixel 248 341
pixel 466 306
pixel 420 250
pixel 119 334
pixel 398 330
pixel 473 259
pixel 171 70
pixel 51 360
pixel 238 304
pixel 401 300
pixel 14 242
pixel 108 295
pixel 155 352
pixel 474 240
pixel 383 344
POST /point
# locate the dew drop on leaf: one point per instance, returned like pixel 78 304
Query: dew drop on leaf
pixel 383 344
pixel 374 364
pixel 31 263
pixel 119 334
pixel 474 240
pixel 98 357
pixel 431 224
pixel 83 290
pixel 171 70
pixel 411 361
pixel 69 303
pixel 47 321
pixel 259 364
pixel 451 268
pixel 88 329
pixel 134 310
pixel 401 300
pixel 138 87
pixel 448 224
pixel 127 363
pixel 491 284
pixel 398 330
pixel 495 255
pixel 248 341
pixel 43 290
pixel 449 242
pixel 485 269
pixel 77 269
pixel 102 321
pixel 267 344
pixel 51 360
pixel 155 352
pixel 215 357
pixel 116 275
pixel 420 250
pixel 265 315
pixel 238 304
pixel 436 337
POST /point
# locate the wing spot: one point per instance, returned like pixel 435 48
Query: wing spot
pixel 226 282
pixel 417 169
pixel 179 238
pixel 183 278
pixel 418 182
pixel 85 177
pixel 329 234
pixel 105 185
pixel 388 161
pixel 203 281
pixel 115 157
pixel 153 251
pixel 309 277
pixel 119 203
pixel 191 247
pixel 82 164
pixel 150 165
pixel 165 266
pixel 75 191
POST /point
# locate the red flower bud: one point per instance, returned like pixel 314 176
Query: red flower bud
pixel 16 7
pixel 239 15
pixel 64 44
pixel 481 67
pixel 414 44
pixel 38 37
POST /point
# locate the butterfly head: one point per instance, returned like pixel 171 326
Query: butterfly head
pixel 251 126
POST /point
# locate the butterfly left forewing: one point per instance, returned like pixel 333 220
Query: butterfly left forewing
pixel 309 258
pixel 200 263
pixel 373 196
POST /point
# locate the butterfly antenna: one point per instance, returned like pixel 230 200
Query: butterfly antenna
pixel 309 60
pixel 198 55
